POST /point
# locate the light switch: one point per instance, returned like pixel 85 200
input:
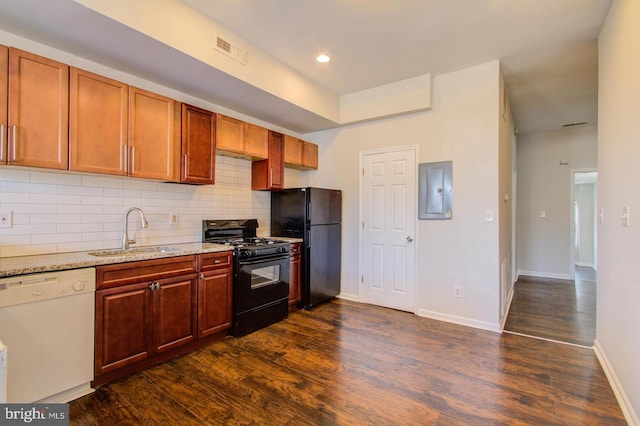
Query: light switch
pixel 488 215
pixel 625 216
pixel 543 214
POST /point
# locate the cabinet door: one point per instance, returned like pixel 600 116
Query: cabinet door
pixel 230 134
pixel 98 118
pixel 292 150
pixel 256 141
pixel 198 145
pixel 174 317
pixel 310 155
pixel 123 332
pixel 294 277
pixel 153 136
pixel 4 79
pixel 214 302
pixel 276 160
pixel 38 111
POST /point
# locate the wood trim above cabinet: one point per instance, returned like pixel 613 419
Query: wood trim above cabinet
pixel 38 111
pixel 98 121
pixel 198 145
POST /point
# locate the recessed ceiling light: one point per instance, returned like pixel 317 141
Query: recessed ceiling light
pixel 323 58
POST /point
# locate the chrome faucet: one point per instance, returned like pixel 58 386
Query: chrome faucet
pixel 125 237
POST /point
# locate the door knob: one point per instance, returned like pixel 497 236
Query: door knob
pixel 409 238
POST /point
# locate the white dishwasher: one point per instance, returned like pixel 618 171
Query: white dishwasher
pixel 47 325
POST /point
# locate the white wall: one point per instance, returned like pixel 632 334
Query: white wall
pixel 544 244
pixel 618 316
pixel 462 127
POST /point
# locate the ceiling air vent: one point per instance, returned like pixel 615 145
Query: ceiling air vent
pixel 231 50
pixel 575 124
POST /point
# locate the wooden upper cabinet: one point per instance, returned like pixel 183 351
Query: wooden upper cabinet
pixel 310 155
pixel 292 150
pixel 4 79
pixel 240 139
pixel 256 141
pixel 98 117
pixel 198 145
pixel 230 134
pixel 268 175
pixel 38 111
pixel 299 154
pixel 154 132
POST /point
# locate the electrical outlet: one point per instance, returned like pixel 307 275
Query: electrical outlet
pixel 457 291
pixel 173 218
pixel 6 220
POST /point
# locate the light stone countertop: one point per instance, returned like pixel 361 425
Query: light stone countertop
pixel 10 266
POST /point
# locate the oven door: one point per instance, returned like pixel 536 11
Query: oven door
pixel 261 281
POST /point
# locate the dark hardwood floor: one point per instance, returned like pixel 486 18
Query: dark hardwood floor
pixel 562 310
pixel 355 364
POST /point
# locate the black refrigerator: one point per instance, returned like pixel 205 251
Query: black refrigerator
pixel 315 215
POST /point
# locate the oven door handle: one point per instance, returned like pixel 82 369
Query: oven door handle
pixel 264 260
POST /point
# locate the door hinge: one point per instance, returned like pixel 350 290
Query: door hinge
pixel 362 224
pixel 362 279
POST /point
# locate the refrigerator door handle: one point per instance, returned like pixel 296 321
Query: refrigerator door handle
pixel 309 215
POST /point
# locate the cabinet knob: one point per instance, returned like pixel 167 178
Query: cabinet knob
pixel 202 276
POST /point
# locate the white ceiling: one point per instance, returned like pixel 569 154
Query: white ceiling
pixel 547 48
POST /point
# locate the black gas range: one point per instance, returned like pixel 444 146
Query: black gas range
pixel 261 273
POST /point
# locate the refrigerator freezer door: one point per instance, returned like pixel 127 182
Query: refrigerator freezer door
pixel 288 210
pixel 325 206
pixel 323 267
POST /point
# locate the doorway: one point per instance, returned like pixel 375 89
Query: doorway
pixel 584 222
pixel 388 212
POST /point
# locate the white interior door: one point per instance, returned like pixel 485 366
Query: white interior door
pixel 388 207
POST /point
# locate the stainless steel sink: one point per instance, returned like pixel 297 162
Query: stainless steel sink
pixel 134 251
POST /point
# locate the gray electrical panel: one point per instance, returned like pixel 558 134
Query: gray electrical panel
pixel 435 190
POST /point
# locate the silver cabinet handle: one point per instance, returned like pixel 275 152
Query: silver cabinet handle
pixel 409 238
pixel 14 142
pixel 202 276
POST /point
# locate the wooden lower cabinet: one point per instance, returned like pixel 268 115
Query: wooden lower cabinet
pixel 214 293
pixel 153 310
pixel 138 321
pixel 295 276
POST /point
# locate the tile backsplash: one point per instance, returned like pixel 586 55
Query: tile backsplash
pixel 56 212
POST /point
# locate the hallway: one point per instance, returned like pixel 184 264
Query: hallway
pixel 560 310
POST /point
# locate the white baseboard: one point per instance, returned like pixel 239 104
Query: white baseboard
pixel 625 405
pixel 539 274
pixel 350 297
pixel 459 320
pixel 506 314
pixel 587 265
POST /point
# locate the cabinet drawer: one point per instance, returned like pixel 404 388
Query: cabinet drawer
pixel 145 270
pixel 210 261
